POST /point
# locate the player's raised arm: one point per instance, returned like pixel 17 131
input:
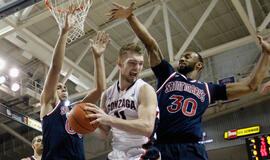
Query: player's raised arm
pixel 144 125
pixel 154 53
pixel 256 77
pixel 48 95
pixel 98 48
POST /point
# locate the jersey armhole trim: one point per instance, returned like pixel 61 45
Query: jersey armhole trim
pixel 208 92
pixel 52 111
pixel 171 76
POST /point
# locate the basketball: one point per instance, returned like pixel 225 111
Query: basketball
pixel 77 120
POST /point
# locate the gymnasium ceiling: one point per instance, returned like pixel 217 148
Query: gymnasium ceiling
pixel 28 36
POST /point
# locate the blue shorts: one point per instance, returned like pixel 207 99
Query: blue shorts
pixel 182 151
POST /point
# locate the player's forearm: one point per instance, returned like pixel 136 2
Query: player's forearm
pixel 259 72
pixel 59 52
pixel 99 73
pixel 149 42
pixel 52 78
pixel 235 90
pixel 138 126
pixel 100 81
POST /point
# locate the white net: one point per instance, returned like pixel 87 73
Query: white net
pixel 59 9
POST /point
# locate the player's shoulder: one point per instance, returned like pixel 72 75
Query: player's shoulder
pixel 197 82
pixel 146 87
pixel 142 83
pixel 26 158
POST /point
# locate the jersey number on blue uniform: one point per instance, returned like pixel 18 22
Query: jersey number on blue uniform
pixel 188 106
pixel 68 128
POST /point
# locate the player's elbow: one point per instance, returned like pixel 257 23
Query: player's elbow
pixel 98 92
pixel 253 87
pixel 101 88
pixel 148 129
pixel 149 132
pixel 151 45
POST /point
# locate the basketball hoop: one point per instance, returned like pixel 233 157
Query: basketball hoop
pixel 59 9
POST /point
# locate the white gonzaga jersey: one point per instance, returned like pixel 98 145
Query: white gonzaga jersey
pixel 124 104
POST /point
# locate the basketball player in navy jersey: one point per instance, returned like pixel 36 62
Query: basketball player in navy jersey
pixel 59 140
pixel 128 109
pixel 182 99
pixel 37 148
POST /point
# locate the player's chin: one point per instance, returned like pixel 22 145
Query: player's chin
pixel 63 98
pixel 132 79
pixel 181 69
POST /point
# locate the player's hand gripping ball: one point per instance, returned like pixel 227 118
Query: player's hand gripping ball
pixel 77 120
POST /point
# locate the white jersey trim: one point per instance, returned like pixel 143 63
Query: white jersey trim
pixel 171 76
pixel 208 92
pixel 52 111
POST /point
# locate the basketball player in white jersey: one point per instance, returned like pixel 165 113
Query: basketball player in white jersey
pixel 128 109
pixel 37 148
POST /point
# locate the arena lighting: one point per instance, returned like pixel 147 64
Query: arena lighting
pixel 67 102
pixel 14 72
pixel 15 87
pixel 2 63
pixel 2 79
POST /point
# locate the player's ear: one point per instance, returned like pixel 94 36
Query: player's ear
pixel 33 147
pixel 199 66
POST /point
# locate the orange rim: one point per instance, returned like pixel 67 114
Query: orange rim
pixel 64 10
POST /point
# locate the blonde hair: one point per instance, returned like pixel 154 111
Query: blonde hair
pixel 129 47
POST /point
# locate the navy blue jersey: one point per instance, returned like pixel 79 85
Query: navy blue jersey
pixel 60 142
pixel 182 102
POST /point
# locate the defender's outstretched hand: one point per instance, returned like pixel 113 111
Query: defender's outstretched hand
pixel 265 44
pixel 100 44
pixel 70 20
pixel 120 11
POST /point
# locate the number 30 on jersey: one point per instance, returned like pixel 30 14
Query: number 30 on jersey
pixel 188 106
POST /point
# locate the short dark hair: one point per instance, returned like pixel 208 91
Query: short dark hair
pixel 35 139
pixel 199 56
